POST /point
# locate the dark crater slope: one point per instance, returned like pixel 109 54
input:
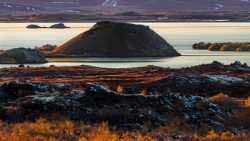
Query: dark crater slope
pixel 112 39
pixel 22 56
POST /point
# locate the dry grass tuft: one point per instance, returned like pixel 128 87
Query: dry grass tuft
pixel 120 89
pixel 220 98
pixel 247 102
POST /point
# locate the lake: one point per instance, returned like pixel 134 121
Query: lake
pixel 180 35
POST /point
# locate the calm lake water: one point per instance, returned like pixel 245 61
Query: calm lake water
pixel 180 35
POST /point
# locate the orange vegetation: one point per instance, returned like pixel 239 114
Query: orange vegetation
pixel 143 92
pixel 44 130
pixel 247 102
pixel 120 89
pixel 66 130
pixel 224 136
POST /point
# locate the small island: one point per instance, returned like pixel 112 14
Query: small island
pixel 55 26
pixel 34 26
pixel 59 26
pixel 227 46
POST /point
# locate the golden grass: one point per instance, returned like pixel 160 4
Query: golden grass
pixel 224 136
pixel 66 130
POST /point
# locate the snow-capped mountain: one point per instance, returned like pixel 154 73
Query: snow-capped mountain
pixel 83 6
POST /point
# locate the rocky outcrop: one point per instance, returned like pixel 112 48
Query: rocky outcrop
pixel 97 104
pixel 222 46
pixel 111 39
pixel 22 56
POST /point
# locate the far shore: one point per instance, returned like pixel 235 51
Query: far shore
pixel 144 17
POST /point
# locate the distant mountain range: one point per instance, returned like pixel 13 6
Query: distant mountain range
pixel 19 7
pixel 123 10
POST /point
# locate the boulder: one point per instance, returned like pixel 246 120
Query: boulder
pixel 112 39
pixel 22 56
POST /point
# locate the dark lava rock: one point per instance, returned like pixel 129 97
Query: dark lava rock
pixel 15 90
pixel 60 25
pixel 33 26
pixel 204 85
pixel 22 56
pixel 98 104
pixel 111 39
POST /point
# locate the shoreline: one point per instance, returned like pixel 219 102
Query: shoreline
pixel 109 64
pixel 200 69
